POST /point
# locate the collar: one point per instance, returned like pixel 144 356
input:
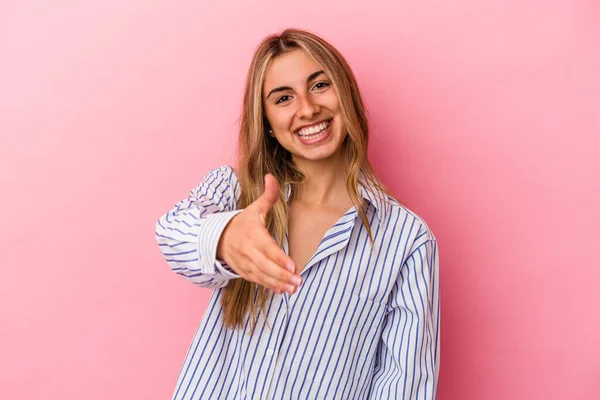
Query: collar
pixel 375 197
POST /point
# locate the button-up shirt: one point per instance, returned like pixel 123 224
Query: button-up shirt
pixel 364 324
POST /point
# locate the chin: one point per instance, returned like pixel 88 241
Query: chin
pixel 319 154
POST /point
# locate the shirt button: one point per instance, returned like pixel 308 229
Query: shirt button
pixel 269 352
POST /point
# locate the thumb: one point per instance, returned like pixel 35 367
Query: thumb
pixel 268 198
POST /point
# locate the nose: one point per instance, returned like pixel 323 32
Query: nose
pixel 308 108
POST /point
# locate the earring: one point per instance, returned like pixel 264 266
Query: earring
pixel 270 130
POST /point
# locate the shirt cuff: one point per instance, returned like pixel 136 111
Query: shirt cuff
pixel 213 226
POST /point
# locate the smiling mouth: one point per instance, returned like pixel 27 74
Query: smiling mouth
pixel 315 131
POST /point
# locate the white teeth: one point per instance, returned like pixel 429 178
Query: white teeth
pixel 314 131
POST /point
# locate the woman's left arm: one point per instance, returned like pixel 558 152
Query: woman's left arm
pixel 408 354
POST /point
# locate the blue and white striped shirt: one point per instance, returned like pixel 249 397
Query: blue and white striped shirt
pixel 364 324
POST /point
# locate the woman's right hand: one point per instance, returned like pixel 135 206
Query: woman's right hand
pixel 249 249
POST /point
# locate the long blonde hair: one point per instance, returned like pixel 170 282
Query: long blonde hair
pixel 259 154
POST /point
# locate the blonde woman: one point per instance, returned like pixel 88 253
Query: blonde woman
pixel 324 286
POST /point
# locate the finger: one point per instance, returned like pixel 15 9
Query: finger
pixel 273 252
pixel 269 197
pixel 273 275
pixel 257 275
pixel 271 249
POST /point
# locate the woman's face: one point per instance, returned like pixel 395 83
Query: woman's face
pixel 302 108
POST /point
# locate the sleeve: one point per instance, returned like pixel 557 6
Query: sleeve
pixel 408 353
pixel 188 234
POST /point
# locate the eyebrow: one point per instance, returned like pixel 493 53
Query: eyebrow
pixel 283 88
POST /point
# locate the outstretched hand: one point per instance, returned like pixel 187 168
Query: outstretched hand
pixel 249 249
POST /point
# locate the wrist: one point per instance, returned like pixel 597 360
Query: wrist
pixel 223 240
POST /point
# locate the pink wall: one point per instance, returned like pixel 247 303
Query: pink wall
pixel 485 120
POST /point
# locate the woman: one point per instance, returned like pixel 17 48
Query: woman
pixel 325 286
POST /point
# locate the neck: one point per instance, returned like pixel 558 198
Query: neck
pixel 325 181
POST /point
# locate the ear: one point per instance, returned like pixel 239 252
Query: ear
pixel 269 130
pixel 267 126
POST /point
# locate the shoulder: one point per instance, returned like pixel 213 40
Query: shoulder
pixel 410 229
pixel 224 171
pixel 223 174
pixel 219 179
pixel 413 226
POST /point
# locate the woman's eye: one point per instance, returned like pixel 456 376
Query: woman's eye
pixel 321 85
pixel 282 99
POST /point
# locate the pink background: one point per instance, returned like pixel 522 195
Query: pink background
pixel 486 121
